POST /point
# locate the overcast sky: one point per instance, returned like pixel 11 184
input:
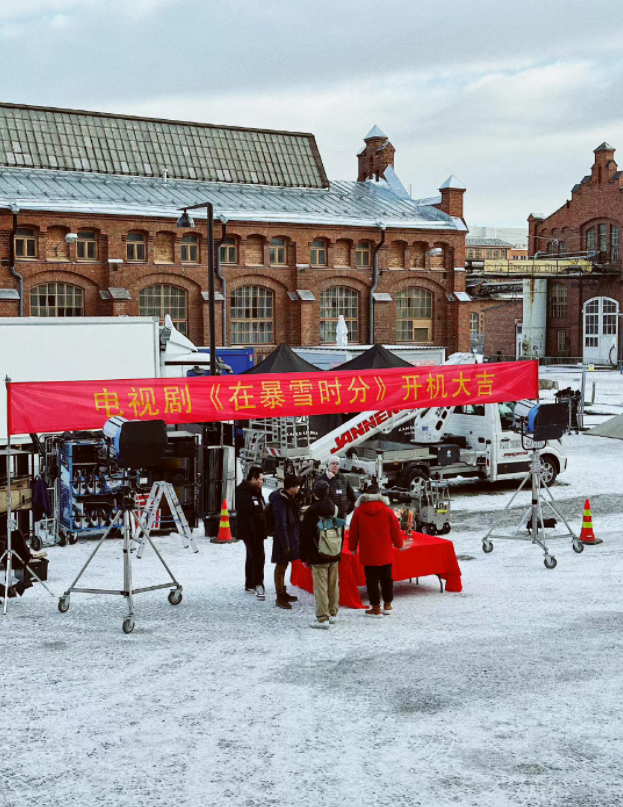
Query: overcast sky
pixel 510 97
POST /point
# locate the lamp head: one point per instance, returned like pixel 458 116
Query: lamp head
pixel 436 252
pixel 186 220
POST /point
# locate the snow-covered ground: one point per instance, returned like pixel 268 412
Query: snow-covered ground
pixel 506 694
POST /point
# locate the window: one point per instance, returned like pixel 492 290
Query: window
pixel 86 246
pixel 252 315
pixel 56 300
pixel 362 254
pixel 474 323
pixel 507 415
pixel 135 247
pixel 278 252
pixel 591 323
pixel 563 249
pixel 590 239
pixel 603 237
pixel 318 253
pixel 488 253
pixel 614 238
pixel 190 248
pixel 478 410
pixel 609 321
pixel 336 301
pixel 25 243
pixel 561 341
pixel 496 253
pixel 156 301
pixel 479 253
pixel 414 315
pixel 470 253
pixel 228 251
pixel 558 301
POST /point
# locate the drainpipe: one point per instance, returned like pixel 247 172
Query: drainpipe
pixel 375 277
pixel 220 276
pixel 12 269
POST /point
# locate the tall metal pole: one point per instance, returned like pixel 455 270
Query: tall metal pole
pixel 212 306
pixel 9 516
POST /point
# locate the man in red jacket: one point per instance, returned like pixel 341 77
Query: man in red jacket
pixel 376 530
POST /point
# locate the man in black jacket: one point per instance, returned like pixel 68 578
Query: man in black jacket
pixel 324 572
pixel 340 491
pixel 251 528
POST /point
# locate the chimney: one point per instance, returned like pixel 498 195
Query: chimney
pixel 375 156
pixel 452 197
pixel 604 167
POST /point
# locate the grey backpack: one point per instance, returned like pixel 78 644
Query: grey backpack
pixel 329 539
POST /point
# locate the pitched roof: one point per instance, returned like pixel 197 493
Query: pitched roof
pixel 605 147
pixel 282 360
pixel 355 204
pixel 96 142
pixel 375 132
pixel 376 357
pixel 487 242
pixel 453 182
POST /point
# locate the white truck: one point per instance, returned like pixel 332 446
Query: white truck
pixel 89 348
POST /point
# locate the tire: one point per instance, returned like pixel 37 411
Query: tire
pixel 414 473
pixel 446 528
pixel 578 547
pixel 487 547
pixel 423 528
pixel 73 538
pixel 549 469
pixel 128 624
pixel 63 605
pixel 63 539
pixel 550 562
pixel 175 597
pixel 36 543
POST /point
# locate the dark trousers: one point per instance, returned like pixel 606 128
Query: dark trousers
pixel 382 575
pixel 254 566
pixel 280 577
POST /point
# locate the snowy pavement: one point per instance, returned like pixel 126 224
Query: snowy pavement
pixel 506 694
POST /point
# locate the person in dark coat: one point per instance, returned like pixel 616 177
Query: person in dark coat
pixel 286 536
pixel 251 529
pixel 324 572
pixel 375 530
pixel 340 491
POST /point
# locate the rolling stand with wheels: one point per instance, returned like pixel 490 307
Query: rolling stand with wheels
pixel 125 519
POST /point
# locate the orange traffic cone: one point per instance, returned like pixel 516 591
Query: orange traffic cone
pixel 224 531
pixel 587 536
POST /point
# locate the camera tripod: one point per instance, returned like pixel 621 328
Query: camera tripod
pixel 532 518
pixel 125 519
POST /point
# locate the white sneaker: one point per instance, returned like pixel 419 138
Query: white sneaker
pixel 321 625
pixel 260 592
pixel 332 620
pixel 38 555
pixel 250 591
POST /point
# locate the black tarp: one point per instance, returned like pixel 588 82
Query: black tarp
pixel 284 360
pixel 377 357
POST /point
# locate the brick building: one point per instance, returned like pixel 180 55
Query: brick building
pixel 90 203
pixel 582 312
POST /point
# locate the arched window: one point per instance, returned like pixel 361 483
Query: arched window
pixel 590 240
pixel 562 248
pixel 336 301
pixel 135 248
pixel 228 251
pixel 190 248
pixel 156 301
pixel 558 301
pixel 362 254
pixel 251 313
pixel 25 243
pixel 278 256
pixel 56 300
pixel 414 315
pixel 318 253
pixel 86 246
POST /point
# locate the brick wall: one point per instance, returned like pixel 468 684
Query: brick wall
pixel 500 318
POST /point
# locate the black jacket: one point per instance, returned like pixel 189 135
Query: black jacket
pixel 287 527
pixel 250 508
pixel 341 494
pixel 323 508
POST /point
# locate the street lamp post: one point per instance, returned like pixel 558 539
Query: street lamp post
pixel 186 221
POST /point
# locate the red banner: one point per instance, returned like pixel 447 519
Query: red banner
pixel 71 405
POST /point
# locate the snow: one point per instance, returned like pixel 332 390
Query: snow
pixel 506 694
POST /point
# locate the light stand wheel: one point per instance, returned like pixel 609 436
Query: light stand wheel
pixel 36 543
pixel 550 562
pixel 175 596
pixel 73 538
pixel 63 539
pixel 63 604
pixel 487 546
pixel 578 547
pixel 128 624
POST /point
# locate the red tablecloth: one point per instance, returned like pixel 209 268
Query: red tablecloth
pixel 427 555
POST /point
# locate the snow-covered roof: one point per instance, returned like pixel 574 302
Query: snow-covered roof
pixel 361 204
pixel 375 132
pixel 486 242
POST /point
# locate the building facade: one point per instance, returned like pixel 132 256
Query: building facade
pixel 88 210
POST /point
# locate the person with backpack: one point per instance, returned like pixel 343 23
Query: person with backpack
pixel 322 537
pixel 251 529
pixel 283 521
pixel 375 530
